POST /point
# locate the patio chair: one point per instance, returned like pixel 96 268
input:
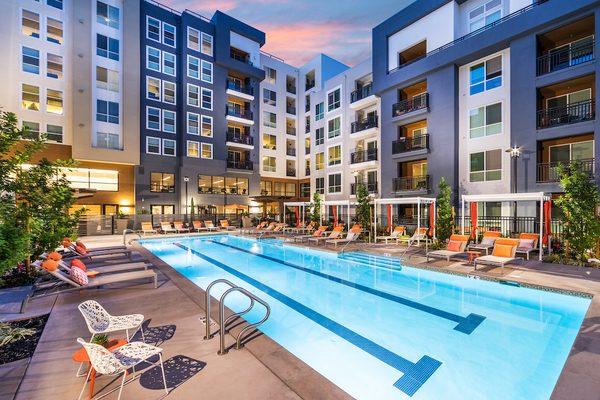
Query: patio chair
pixel 99 321
pixel 250 230
pixel 456 245
pixel 335 234
pixel 106 253
pixel 352 236
pixel 197 226
pixel 528 243
pixel 178 225
pixel 225 225
pixel 208 224
pixel 503 253
pixel 102 268
pixel 487 242
pixel 395 235
pixel 148 228
pixel 317 233
pixel 120 360
pixel 165 227
pixel 420 235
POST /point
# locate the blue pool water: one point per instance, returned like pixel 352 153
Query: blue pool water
pixel 380 330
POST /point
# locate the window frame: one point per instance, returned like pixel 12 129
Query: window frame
pixel 202 63
pixel 174 102
pixel 485 81
pixel 166 53
pixel 485 170
pixel 159 118
pixel 329 191
pixel 202 89
pixel 485 124
pixel 148 18
pixel 339 101
pixel 164 111
pixel 187 95
pixel 23 63
pixel 148 59
pixel 174 147
pixel 212 43
pixel 187 123
pixel 162 32
pixel 212 125
pixel 148 78
pixel 187 67
pixel 212 155
pixel 189 30
pixel 339 130
pixel 148 138
pixel 187 148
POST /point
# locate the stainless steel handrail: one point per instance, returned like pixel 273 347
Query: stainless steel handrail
pixel 208 334
pixel 125 232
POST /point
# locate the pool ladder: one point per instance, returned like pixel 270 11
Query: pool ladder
pixel 224 321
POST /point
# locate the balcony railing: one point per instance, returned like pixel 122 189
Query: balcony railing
pixel 240 138
pixel 565 58
pixel 405 144
pixel 569 114
pixel 291 152
pixel 358 126
pixel 307 171
pixel 239 113
pixel 361 93
pixel 307 107
pixel 290 172
pixel 371 187
pixel 290 110
pixel 290 130
pixel 410 183
pixel 291 88
pixel 237 55
pixel 413 104
pixel 236 164
pixel 233 85
pixel 363 156
pixel 307 129
pixel 310 84
pixel 548 172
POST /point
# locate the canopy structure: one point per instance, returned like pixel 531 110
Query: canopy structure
pixel 336 205
pixel 543 198
pixel 299 209
pixel 418 201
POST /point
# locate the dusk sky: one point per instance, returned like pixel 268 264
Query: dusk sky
pixel 297 30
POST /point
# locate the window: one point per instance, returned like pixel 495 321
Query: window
pixel 54 133
pixel 207 126
pixel 107 111
pixel 207 71
pixel 486 75
pixel 320 185
pixel 153 118
pixel 564 153
pixel 153 59
pixel 152 145
pixel 169 33
pixel 107 79
pixel 485 14
pixel 107 141
pixel 55 3
pixel 333 128
pixel 30 97
pixel 107 15
pixel 32 130
pixel 193 95
pixel 169 92
pixel 30 24
pixel 319 161
pixel 54 66
pixel 269 97
pixel 333 100
pixel 54 31
pixel 207 44
pixel 168 66
pixel 153 29
pixel 319 111
pixel 99 179
pixel 168 147
pixel 193 39
pixel 269 164
pixel 31 60
pixel 206 99
pixel 168 121
pixel 193 67
pixel 193 149
pixel 54 102
pixel 270 75
pixel 305 189
pixel 334 155
pixel 485 121
pixel 107 47
pixel 269 119
pixel 162 182
pixel 207 149
pixel 193 123
pixel 486 166
pixel 335 183
pixel 152 88
pixel 269 141
pixel 319 136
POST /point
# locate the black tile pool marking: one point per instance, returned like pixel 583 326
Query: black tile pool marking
pixel 465 324
pixel 414 374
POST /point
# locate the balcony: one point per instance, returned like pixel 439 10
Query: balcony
pixel 291 152
pixel 242 140
pixel 567 56
pixel 418 102
pixel 307 171
pixel 411 184
pixel 234 88
pixel 290 88
pixel 310 83
pixel 362 156
pixel 241 165
pixel 568 114
pixel 365 125
pixel 240 55
pixel 290 172
pixel 406 144
pixel 307 107
pixel 240 115
pixel 290 110
pixel 307 129
pixel 548 172
pixel 371 188
pixel 362 97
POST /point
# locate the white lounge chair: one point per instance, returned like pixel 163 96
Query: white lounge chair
pixel 419 236
pixel 460 241
pixel 208 224
pixel 335 234
pixel 487 242
pixel 179 227
pixel 395 235
pixel 532 245
pixel 352 236
pixel 165 227
pixel 148 228
pixel 503 253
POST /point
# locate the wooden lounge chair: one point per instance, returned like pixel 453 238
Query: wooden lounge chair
pixel 456 245
pixel 165 227
pixel 395 235
pixel 525 240
pixel 179 227
pixel 503 253
pixel 197 226
pixel 335 234
pixel 487 242
pixel 260 225
pixel 208 224
pixel 103 254
pixel 352 236
pixel 318 233
pixel 148 228
pixel 225 225
pixel 420 235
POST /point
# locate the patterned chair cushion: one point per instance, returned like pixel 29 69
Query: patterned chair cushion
pixel 79 276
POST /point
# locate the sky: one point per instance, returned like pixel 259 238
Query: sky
pixel 297 30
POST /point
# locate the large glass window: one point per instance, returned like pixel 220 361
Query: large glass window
pixel 168 121
pixel 169 34
pixel 193 39
pixel 334 155
pixel 269 97
pixel 30 24
pixel 207 44
pixel 335 183
pixel 319 136
pixel 571 151
pixel 107 47
pixel 152 88
pixel 153 59
pixel 269 163
pixel 54 66
pixel 162 182
pixel 54 31
pixel 207 126
pixel 99 179
pixel 269 119
pixel 153 29
pixel 486 166
pixel 54 133
pixel 169 92
pixel 107 111
pixel 193 95
pixel 485 121
pixel 193 67
pixel 106 140
pixel 30 97
pixel 107 15
pixel 486 75
pixel 333 100
pixel 269 141
pixel 30 60
pixel 168 66
pixel 319 161
pixel 207 71
pixel 193 123
pixel 54 102
pixel 193 149
pixel 333 128
pixel 206 99
pixel 319 111
pixel 485 14
pixel 153 118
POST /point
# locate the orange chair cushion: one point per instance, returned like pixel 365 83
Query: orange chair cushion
pixel 453 245
pixel 50 265
pixel 80 244
pixel 54 256
pixel 502 250
pixel 78 264
pixel 317 233
pixel 92 273
pixel 81 250
pixel 459 238
pixel 492 234
pixel 66 242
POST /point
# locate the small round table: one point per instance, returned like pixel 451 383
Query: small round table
pixel 472 255
pixel 81 356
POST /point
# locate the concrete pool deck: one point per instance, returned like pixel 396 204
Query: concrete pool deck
pixel 262 369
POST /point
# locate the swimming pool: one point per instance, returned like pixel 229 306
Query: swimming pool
pixel 380 330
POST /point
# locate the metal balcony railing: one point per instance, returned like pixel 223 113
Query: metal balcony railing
pixel 565 58
pixel 371 187
pixel 236 164
pixel 307 129
pixel 291 88
pixel 361 93
pixel 239 113
pixel 240 138
pixel 548 172
pixel 310 84
pixel 413 104
pixel 307 171
pixel 363 156
pixel 291 152
pixel 290 110
pixel 358 126
pixel 290 172
pixel 569 114
pixel 405 144
pixel 290 131
pixel 233 85
pixel 410 183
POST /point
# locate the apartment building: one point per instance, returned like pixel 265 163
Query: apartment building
pixel 463 82
pixel 71 71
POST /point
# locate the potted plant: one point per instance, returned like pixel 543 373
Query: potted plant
pixel 102 340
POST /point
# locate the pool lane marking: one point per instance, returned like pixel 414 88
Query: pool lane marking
pixel 414 374
pixel 465 324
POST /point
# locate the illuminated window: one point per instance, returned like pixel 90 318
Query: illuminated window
pixel 30 24
pixel 30 97
pixel 54 102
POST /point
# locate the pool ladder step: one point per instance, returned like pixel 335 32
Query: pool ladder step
pixel 371 260
pixel 224 321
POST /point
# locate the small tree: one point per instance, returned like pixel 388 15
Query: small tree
pixel 192 210
pixel 363 206
pixel 444 219
pixel 579 205
pixel 315 214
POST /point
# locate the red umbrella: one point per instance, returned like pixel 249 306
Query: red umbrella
pixel 389 213
pixel 335 216
pixel 547 221
pixel 297 212
pixel 473 208
pixel 431 219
